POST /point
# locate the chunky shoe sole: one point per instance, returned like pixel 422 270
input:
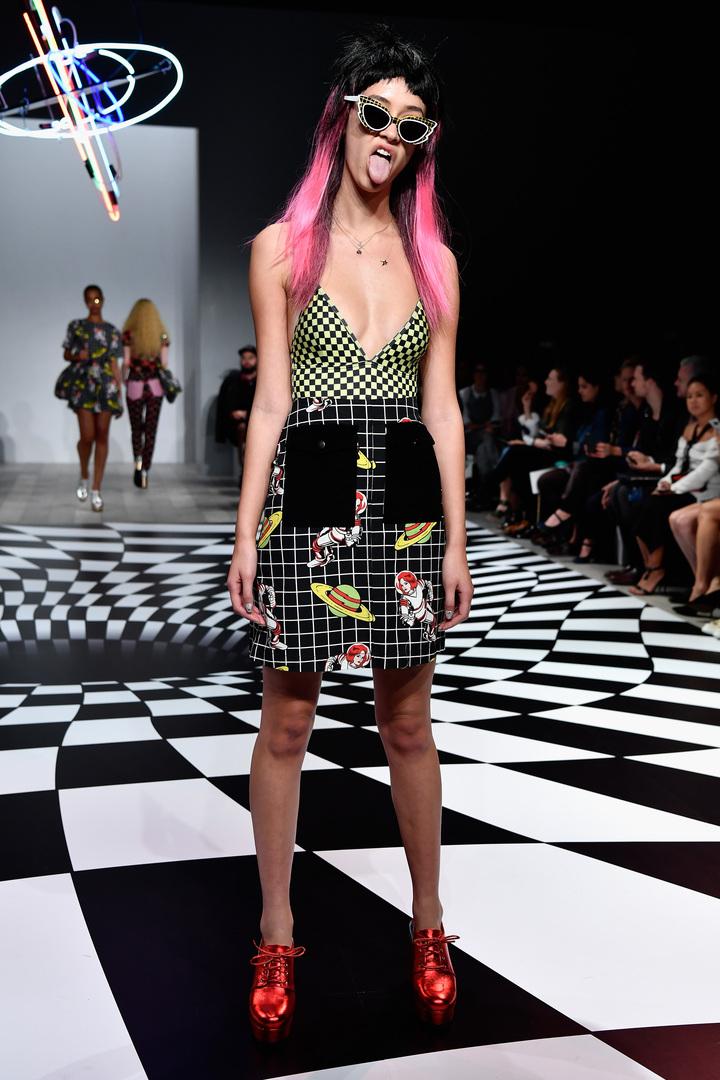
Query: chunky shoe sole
pixel 435 1015
pixel 267 1033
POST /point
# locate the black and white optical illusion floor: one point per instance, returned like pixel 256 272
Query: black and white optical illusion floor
pixel 580 748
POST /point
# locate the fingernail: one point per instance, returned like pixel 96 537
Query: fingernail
pixel 248 607
pixel 448 614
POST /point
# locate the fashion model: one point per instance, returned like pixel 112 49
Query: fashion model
pixel 145 348
pixel 350 546
pixel 91 386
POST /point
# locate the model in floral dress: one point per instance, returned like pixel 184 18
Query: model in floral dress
pixel 91 387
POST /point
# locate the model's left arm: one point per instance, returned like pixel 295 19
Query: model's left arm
pixel 442 416
pixel 164 349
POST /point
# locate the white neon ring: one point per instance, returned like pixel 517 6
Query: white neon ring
pixel 81 51
pixel 131 79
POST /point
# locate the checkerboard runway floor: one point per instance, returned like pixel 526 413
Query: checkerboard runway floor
pixel 578 735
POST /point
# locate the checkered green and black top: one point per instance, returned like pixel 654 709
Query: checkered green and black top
pixel 328 360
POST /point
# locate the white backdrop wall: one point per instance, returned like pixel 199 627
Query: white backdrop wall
pixel 55 237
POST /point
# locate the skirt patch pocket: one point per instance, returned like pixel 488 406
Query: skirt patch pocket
pixel 413 490
pixel 319 479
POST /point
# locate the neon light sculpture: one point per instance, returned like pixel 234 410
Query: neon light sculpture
pixel 82 105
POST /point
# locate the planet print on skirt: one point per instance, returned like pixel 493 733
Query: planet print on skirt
pixel 351 540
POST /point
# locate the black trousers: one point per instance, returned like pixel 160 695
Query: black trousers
pixel 653 526
pixel 624 510
pixel 571 490
pixel 517 462
pixel 587 477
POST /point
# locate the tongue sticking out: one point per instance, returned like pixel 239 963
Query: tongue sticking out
pixel 378 168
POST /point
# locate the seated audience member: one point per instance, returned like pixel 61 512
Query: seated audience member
pixel 537 450
pixel 694 477
pixel 620 501
pixel 481 417
pixel 526 421
pixel 593 418
pixel 696 529
pixel 524 428
pixel 597 465
pixel 687 368
pixel 510 399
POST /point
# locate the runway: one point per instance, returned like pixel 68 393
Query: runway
pixel 578 735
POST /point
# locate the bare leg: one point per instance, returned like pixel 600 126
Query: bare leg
pixel 86 425
pixel 402 709
pixel 708 534
pixel 560 515
pixel 684 523
pixel 643 551
pixel 505 487
pixel 288 710
pixel 102 434
pixel 654 572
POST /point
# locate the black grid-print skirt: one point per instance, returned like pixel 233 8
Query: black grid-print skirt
pixel 351 540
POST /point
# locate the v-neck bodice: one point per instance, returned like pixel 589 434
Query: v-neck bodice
pixel 327 358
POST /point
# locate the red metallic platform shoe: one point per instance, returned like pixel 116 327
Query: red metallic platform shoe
pixel 272 995
pixel 433 976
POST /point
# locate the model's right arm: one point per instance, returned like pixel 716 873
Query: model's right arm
pixel 68 354
pixel 271 405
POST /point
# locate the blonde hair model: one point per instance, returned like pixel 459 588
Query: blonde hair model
pixel 147 329
pixel 145 353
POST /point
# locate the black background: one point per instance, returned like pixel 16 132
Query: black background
pixel 577 163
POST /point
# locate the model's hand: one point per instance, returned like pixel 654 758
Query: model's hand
pixel 558 439
pixel 458 588
pixel 241 576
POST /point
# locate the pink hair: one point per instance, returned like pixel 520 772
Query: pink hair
pixel 421 221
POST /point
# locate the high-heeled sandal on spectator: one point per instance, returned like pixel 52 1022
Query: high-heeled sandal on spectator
pixel 556 532
pixel 586 546
pixel 707 602
pixel 660 586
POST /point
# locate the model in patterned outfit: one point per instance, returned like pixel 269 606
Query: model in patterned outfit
pixel 91 386
pixel 146 344
pixel 350 539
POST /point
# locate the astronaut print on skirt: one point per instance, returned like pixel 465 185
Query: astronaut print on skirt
pixel 351 540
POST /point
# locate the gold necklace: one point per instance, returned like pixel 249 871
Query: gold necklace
pixel 360 244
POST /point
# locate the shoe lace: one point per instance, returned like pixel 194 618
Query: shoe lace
pixel 432 954
pixel 275 965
